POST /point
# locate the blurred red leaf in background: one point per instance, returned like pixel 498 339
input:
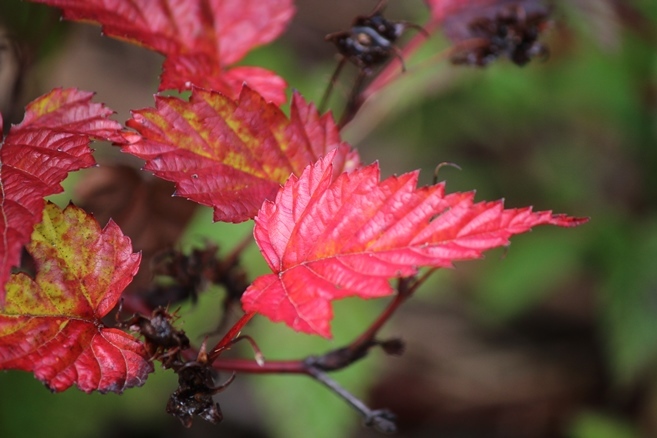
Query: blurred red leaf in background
pixel 201 39
pixel 141 205
pixel 441 9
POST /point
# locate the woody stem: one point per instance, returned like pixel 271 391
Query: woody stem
pixel 334 359
pixel 394 68
pixel 235 253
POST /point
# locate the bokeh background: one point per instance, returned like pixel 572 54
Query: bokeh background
pixel 554 337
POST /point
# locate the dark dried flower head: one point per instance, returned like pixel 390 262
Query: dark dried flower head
pixel 184 276
pixel 370 40
pixel 193 398
pixel 394 347
pixel 162 340
pixel 505 28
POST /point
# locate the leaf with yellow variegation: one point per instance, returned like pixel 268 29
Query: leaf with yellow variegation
pixel 52 325
pixel 233 155
pixel 35 157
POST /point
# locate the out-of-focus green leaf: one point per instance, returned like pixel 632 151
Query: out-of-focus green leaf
pixel 630 302
pixel 592 425
pixel 75 414
pixel 37 26
pixel 534 266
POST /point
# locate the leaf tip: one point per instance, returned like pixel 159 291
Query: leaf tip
pixel 563 220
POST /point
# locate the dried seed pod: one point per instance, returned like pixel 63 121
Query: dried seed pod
pixel 503 29
pixel 162 340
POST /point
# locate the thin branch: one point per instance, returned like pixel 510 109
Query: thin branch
pixel 353 103
pixel 268 367
pixel 229 337
pixel 393 69
pixel 381 419
pixel 329 89
pixel 333 360
pixel 368 335
pixel 236 252
pixel 389 73
pixel 317 367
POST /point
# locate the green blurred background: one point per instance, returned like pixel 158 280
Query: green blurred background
pixel 556 337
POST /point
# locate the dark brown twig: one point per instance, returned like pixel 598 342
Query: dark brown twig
pixel 381 419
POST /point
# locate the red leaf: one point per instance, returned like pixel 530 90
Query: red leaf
pixel 52 325
pixel 199 38
pixel 52 140
pixel 327 239
pixel 445 9
pixel 441 9
pixel 233 155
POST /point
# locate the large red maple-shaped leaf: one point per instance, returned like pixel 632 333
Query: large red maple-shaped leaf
pixel 200 39
pixel 233 155
pixel 327 239
pixel 52 140
pixel 51 325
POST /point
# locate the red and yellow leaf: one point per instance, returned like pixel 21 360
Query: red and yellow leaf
pixel 326 239
pixel 51 325
pixel 233 155
pixel 51 141
pixel 201 39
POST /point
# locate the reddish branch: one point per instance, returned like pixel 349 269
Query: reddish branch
pixel 317 367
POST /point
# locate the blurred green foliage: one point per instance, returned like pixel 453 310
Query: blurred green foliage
pixel 591 425
pixel 36 26
pixel 576 134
